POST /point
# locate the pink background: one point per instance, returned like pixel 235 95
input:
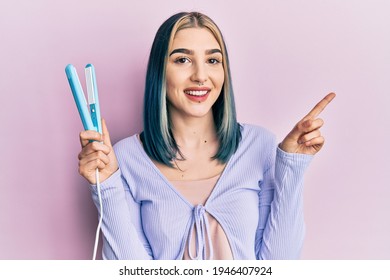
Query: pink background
pixel 285 56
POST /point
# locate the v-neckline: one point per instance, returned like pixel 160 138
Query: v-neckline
pixel 168 183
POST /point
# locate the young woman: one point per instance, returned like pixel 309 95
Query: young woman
pixel 196 184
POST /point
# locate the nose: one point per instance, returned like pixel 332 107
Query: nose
pixel 199 74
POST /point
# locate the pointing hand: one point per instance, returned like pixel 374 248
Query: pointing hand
pixel 305 137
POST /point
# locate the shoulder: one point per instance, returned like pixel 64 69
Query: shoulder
pixel 132 159
pixel 125 143
pixel 127 146
pixel 257 143
pixel 255 133
pixel 257 147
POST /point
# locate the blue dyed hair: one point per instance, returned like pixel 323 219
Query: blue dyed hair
pixel 157 137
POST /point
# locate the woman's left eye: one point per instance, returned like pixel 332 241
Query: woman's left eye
pixel 214 61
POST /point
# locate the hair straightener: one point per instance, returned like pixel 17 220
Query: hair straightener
pixel 90 118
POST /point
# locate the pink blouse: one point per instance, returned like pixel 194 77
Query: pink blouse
pixel 197 192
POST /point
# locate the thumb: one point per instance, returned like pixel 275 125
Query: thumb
pixel 106 134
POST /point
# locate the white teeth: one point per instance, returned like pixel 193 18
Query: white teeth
pixel 196 92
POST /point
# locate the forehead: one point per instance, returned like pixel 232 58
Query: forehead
pixel 195 38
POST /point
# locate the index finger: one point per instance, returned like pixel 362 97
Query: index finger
pixel 321 105
pixel 89 135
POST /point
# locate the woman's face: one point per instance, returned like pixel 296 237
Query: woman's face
pixel 194 73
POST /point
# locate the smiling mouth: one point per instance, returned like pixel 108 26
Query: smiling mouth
pixel 198 93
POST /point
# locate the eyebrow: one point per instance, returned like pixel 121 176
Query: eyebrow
pixel 190 52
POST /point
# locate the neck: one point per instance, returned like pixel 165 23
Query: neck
pixel 194 132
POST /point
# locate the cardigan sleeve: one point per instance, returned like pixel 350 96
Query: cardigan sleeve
pixel 281 227
pixel 123 236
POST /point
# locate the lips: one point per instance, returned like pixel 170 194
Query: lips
pixel 198 94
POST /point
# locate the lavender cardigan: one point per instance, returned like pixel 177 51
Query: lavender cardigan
pixel 258 201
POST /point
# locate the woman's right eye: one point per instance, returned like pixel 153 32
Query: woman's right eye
pixel 182 60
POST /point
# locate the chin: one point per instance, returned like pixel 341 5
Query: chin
pixel 202 113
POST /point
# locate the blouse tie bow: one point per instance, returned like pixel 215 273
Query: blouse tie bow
pixel 202 234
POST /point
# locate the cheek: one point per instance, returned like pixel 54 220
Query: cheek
pixel 219 79
pixel 172 89
pixel 168 79
pixel 170 85
pixel 175 79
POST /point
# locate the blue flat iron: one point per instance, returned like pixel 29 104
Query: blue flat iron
pixel 90 117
